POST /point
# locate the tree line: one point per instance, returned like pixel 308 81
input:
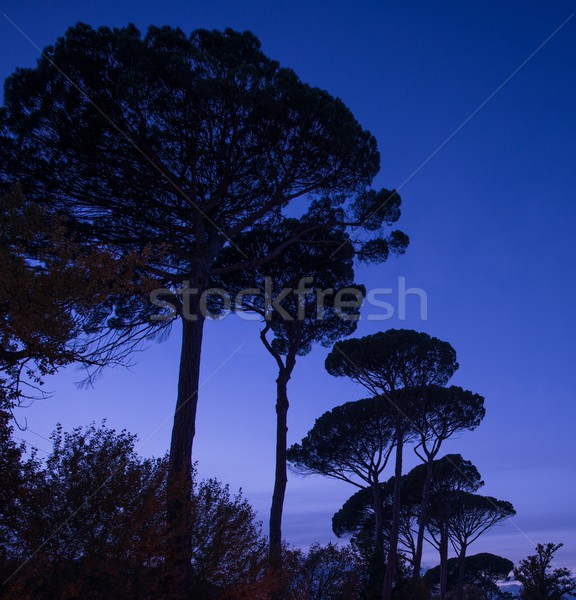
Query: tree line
pixel 87 520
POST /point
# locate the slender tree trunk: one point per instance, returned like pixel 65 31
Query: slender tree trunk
pixel 395 528
pixel 280 472
pixel 179 484
pixel 280 476
pixel 443 564
pixel 461 572
pixel 422 520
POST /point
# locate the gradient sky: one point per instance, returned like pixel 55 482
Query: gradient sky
pixel 476 125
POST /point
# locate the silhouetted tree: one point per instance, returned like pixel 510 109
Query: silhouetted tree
pixel 227 540
pixel 442 412
pixel 539 580
pixel 90 520
pixel 182 142
pixel 19 473
pixel 482 571
pixel 452 476
pixel 471 516
pixel 391 364
pixel 352 443
pixel 312 277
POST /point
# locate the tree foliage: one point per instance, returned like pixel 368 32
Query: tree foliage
pixel 472 515
pixel 351 442
pixel 443 412
pixel 210 136
pixel 482 571
pixel 392 360
pixel 56 295
pixel 89 522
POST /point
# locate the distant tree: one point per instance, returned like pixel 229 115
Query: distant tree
pixel 471 516
pixel 442 413
pixel 482 571
pixel 539 580
pixel 183 143
pixel 352 443
pixel 390 364
pixel 452 476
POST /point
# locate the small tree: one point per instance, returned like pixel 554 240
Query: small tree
pixel 326 573
pixel 483 572
pixel 92 517
pixel 539 580
pixel 226 538
pixel 90 522
pixel 20 477
pixel 471 516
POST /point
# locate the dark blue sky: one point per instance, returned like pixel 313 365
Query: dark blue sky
pixel 490 212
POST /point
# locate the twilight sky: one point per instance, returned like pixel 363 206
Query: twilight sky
pixel 473 106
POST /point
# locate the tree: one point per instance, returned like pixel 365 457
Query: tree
pixel 390 364
pixel 321 262
pixel 539 580
pixel 183 142
pixel 352 443
pixel 442 412
pixel 452 475
pixel 19 474
pixel 482 571
pixel 471 516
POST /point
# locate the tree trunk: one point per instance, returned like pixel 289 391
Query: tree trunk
pixel 395 528
pixel 443 564
pixel 280 476
pixel 179 483
pixel 422 520
pixel 461 573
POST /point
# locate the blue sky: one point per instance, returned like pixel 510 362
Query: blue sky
pixel 489 204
